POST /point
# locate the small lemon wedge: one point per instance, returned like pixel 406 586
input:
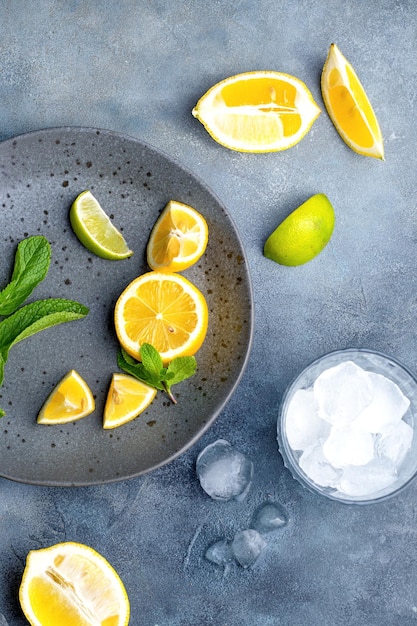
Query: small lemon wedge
pixel 126 399
pixel 70 400
pixel 348 106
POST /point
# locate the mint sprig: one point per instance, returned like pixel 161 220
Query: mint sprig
pixel 151 371
pixel 31 265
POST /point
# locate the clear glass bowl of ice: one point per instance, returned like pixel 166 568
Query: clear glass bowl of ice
pixel 346 424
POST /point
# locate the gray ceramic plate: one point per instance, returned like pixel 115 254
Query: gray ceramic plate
pixel 40 175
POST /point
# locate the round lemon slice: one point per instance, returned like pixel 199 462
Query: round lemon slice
pixel 348 106
pixel 178 239
pixel 260 111
pixel 95 230
pixel 71 584
pixel 163 309
pixel 126 399
pixel 69 401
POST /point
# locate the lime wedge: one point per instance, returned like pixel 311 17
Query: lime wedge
pixel 95 230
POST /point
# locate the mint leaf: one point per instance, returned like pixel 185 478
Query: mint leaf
pixel 151 360
pixel 31 319
pixel 137 369
pixel 31 265
pixel 152 372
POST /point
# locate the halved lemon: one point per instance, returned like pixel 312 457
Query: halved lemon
pixel 95 230
pixel 348 106
pixel 126 399
pixel 257 111
pixel 165 310
pixel 178 239
pixel 69 401
pixel 71 584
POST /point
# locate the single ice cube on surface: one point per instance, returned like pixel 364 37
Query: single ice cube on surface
pixel 270 517
pixel 367 480
pixel 348 446
pixel 303 425
pixel 220 552
pixel 387 408
pixel 247 545
pixel 224 472
pixel 342 392
pixel 396 443
pixel 317 467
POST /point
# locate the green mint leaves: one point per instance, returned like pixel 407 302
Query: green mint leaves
pixel 30 268
pixel 152 371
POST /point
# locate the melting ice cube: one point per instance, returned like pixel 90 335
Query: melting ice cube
pixel 270 517
pixel 348 446
pixel 303 424
pixel 395 444
pixel 368 479
pixel 247 545
pixel 317 467
pixel 342 392
pixel 220 553
pixel 387 408
pixel 224 472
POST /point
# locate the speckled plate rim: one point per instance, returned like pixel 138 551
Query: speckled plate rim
pixel 38 133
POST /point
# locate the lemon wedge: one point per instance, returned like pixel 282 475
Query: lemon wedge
pixel 348 106
pixel 261 111
pixel 69 401
pixel 126 399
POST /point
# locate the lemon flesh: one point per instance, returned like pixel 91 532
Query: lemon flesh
pixel 70 400
pixel 261 111
pixel 95 230
pixel 126 399
pixel 303 234
pixel 348 106
pixel 71 584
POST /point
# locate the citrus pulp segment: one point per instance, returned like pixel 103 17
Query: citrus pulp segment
pixel 348 106
pixel 95 230
pixel 71 584
pixel 303 234
pixel 260 111
pixel 70 400
pixel 126 399
pixel 178 239
pixel 163 309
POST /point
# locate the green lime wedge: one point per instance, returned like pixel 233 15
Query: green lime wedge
pixel 303 234
pixel 95 230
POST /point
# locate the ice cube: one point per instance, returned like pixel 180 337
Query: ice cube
pixel 387 408
pixel 220 553
pixel 367 480
pixel 3 621
pixel 270 517
pixel 224 472
pixel 348 446
pixel 317 467
pixel 395 444
pixel 303 425
pixel 342 392
pixel 247 545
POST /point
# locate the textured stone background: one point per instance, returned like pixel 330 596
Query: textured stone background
pixel 139 67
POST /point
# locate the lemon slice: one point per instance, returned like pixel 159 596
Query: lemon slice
pixel 178 239
pixel 348 106
pixel 303 234
pixel 95 230
pixel 163 309
pixel 70 400
pixel 257 111
pixel 126 399
pixel 71 584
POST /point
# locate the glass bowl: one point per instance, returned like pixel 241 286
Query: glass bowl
pixel 350 439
